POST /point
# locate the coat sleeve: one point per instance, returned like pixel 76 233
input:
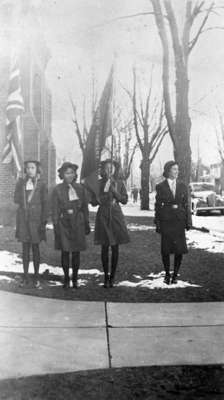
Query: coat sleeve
pixel 44 203
pixel 188 209
pixel 55 209
pixel 18 194
pixel 120 193
pixel 157 207
pixel 85 208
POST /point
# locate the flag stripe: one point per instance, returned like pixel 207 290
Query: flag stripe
pixel 14 109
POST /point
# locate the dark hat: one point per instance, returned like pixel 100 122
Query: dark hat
pixel 167 168
pixel 109 161
pixel 65 166
pixel 36 162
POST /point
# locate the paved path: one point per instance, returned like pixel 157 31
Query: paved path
pixel 39 336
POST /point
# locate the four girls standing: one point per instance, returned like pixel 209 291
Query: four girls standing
pixel 71 218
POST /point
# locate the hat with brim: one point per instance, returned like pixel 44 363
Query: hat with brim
pixel 36 162
pixel 65 166
pixel 109 161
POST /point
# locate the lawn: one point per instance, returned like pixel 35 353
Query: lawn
pixel 146 383
pixel 138 259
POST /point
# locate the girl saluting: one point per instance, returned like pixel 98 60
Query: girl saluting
pixel 110 227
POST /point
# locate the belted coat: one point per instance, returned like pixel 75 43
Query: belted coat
pixel 172 217
pixel 110 226
pixel 70 227
pixel 31 217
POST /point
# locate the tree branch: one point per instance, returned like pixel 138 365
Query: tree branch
pixel 196 37
pixel 165 62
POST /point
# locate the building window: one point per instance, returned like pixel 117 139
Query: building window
pixel 37 101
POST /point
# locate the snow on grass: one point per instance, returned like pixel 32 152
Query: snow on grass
pixel 156 282
pixel 205 241
pixel 11 262
pixel 138 227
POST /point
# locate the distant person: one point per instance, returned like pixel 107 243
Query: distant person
pixel 110 227
pixel 135 194
pixel 71 220
pixel 32 198
pixel 172 217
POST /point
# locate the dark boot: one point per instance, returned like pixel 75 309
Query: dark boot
pixel 105 263
pixel 177 264
pixel 114 262
pixel 36 263
pixel 166 265
pixel 75 268
pixel 65 266
pixel 26 261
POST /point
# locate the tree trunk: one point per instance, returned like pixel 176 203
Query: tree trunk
pixel 182 148
pixel 145 173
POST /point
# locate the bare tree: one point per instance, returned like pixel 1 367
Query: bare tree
pixel 150 129
pixel 125 146
pixel 180 47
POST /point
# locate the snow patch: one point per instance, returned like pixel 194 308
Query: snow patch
pixel 12 262
pixel 155 282
pixel 138 227
pixel 205 241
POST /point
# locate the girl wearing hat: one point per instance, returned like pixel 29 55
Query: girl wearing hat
pixel 71 220
pixel 32 198
pixel 172 217
pixel 110 227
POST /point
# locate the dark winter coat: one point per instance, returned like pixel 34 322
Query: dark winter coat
pixel 172 217
pixel 110 226
pixel 31 216
pixel 70 229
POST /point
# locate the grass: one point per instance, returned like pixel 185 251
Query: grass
pixel 141 257
pixel 146 383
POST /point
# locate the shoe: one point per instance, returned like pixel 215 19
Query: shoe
pixel 36 284
pixel 106 283
pixel 66 284
pixel 174 279
pixel 111 282
pixel 74 284
pixel 167 279
pixel 24 283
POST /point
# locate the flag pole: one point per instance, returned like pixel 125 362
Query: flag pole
pixel 113 111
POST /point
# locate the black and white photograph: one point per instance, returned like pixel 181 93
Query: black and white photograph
pixel 111 199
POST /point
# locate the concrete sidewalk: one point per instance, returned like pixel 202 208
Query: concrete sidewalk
pixel 40 335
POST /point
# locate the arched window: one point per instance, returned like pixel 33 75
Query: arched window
pixel 37 100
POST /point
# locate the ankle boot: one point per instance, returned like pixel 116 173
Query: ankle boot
pixel 66 278
pixel 106 281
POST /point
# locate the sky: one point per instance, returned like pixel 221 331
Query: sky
pixel 83 39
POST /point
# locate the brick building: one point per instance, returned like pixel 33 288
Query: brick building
pixel 37 136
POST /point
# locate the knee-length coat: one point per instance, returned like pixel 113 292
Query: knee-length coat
pixel 110 226
pixel 172 217
pixel 70 228
pixel 31 217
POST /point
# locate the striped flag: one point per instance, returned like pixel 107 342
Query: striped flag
pixel 12 150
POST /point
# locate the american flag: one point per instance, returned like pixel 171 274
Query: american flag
pixel 12 150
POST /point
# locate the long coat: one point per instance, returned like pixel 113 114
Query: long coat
pixel 110 226
pixel 172 217
pixel 31 216
pixel 70 229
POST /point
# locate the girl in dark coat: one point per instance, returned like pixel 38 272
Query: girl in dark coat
pixel 110 227
pixel 172 217
pixel 71 220
pixel 31 196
